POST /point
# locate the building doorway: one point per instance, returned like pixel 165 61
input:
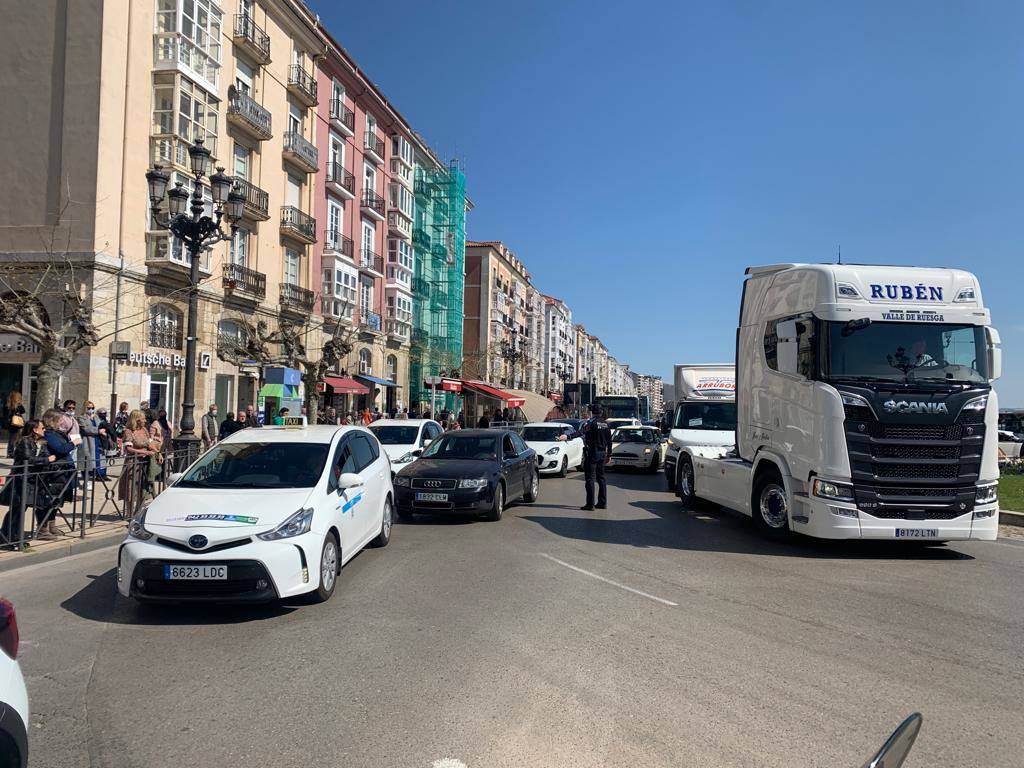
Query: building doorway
pixel 163 393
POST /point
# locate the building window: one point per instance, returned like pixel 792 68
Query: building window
pixel 240 247
pixel 337 92
pixel 243 161
pixel 334 224
pixel 291 266
pixel 369 178
pixel 365 366
pixel 365 298
pixel 392 368
pixel 369 236
pixel 165 327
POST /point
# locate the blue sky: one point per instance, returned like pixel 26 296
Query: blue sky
pixel 637 156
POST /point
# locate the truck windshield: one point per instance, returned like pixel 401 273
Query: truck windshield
pixel 711 416
pixel 907 352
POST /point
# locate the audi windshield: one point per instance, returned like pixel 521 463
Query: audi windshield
pixel 395 435
pixel 906 353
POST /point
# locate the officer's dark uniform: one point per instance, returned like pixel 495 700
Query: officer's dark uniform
pixel 597 445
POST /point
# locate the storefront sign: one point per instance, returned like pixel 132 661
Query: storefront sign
pixel 18 349
pixel 167 360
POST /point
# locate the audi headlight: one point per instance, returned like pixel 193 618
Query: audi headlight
pixel 401 481
pixel 977 404
pixel 986 494
pixel 137 528
pixel 296 525
pixel 553 451
pixel 829 490
pixel 473 482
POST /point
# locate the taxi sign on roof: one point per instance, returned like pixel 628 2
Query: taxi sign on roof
pixel 294 421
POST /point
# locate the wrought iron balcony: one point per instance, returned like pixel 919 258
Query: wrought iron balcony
pixel 371 262
pixel 420 239
pixel 244 282
pixel 257 201
pixel 296 299
pixel 302 85
pixel 342 180
pixel 246 113
pixel 296 224
pixel 343 117
pixel 252 38
pixel 337 242
pixel 369 321
pixel 372 204
pixel 373 146
pixel 165 334
pixel 301 152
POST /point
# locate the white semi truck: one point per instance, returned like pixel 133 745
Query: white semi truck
pixel 864 406
pixel 703 422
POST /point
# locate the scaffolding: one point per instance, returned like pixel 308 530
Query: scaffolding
pixel 439 242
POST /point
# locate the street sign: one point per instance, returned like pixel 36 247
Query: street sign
pixel 431 381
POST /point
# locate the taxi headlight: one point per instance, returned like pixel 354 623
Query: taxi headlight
pixel 401 481
pixel 296 525
pixel 553 451
pixel 473 482
pixel 985 494
pixel 829 490
pixel 137 528
pixel 405 458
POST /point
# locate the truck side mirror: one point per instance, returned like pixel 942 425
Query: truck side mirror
pixel 786 332
pixel 995 354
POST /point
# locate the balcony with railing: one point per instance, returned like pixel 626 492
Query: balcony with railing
pixel 370 322
pixel 301 152
pixel 246 113
pixel 302 85
pixel 336 242
pixel 399 224
pixel 257 201
pixel 296 299
pixel 343 118
pixel 297 225
pixel 372 205
pixel 251 38
pixel 373 147
pixel 166 256
pixel 398 323
pixel 244 283
pixel 372 263
pixel 340 180
pixel 165 334
pixel 420 239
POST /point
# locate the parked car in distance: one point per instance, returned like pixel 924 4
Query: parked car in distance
pixel 557 450
pixel 13 695
pixel 264 514
pixel 404 439
pixel 468 472
pixel 637 447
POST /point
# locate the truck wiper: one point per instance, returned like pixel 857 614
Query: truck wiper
pixel 856 377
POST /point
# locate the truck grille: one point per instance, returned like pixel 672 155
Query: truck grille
pixel 900 471
pixel 917 452
pixel 928 514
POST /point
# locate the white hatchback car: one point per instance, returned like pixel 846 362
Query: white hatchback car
pixel 264 514
pixel 638 447
pixel 557 449
pixel 13 696
pixel 403 440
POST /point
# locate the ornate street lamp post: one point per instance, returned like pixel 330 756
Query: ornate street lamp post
pixel 513 353
pixel 197 232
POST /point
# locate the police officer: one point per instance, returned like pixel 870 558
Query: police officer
pixel 597 448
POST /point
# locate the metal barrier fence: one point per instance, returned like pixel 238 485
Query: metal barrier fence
pixel 36 496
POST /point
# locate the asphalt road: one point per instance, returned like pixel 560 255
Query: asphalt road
pixel 642 636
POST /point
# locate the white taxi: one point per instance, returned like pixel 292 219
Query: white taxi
pixel 638 447
pixel 557 450
pixel 264 514
pixel 403 440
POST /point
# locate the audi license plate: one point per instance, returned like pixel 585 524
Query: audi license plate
pixel 431 497
pixel 196 572
pixel 917 533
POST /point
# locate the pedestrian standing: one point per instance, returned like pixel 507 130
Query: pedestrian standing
pixel 134 482
pixel 227 427
pixel 60 481
pixel 251 417
pixel 14 419
pixel 23 488
pixel 597 447
pixel 89 429
pixel 209 427
pixel 243 421
pixel 281 416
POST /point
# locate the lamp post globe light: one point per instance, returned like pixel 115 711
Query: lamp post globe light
pixel 197 232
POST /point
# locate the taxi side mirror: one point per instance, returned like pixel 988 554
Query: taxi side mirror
pixel 349 480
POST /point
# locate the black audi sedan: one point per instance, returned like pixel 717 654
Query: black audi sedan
pixel 468 472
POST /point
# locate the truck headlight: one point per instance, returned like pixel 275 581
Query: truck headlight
pixel 977 404
pixel 296 525
pixel 826 489
pixel 401 481
pixel 986 494
pixel 473 482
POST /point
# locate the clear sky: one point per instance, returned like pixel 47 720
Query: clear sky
pixel 638 155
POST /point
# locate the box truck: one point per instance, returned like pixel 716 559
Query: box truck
pixel 703 422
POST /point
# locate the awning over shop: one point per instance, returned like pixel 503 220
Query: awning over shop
pixel 555 397
pixel 375 380
pixel 345 385
pixel 512 401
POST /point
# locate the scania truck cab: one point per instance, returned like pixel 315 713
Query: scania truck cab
pixel 864 405
pixel 704 420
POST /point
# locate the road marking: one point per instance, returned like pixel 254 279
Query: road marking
pixel 593 575
pixel 448 762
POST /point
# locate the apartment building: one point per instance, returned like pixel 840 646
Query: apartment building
pixel 138 84
pixel 652 387
pixel 559 344
pixel 499 325
pixel 534 365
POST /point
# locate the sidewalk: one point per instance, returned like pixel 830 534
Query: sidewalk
pixel 100 535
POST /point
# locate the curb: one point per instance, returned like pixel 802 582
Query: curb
pixel 1006 517
pixel 77 546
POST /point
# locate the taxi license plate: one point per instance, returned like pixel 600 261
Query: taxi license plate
pixel 431 497
pixel 196 572
pixel 917 533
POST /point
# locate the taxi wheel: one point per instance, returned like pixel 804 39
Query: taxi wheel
pixel 387 520
pixel 565 467
pixel 494 514
pixel 330 556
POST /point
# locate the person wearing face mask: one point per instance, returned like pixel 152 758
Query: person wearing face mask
pixel 89 430
pixel 209 427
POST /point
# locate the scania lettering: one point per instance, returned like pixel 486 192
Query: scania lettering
pixel 704 421
pixel 865 406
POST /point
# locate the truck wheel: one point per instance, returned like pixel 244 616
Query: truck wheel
pixel 685 486
pixel 770 507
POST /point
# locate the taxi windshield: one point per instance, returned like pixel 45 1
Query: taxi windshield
pixel 393 434
pixel 258 465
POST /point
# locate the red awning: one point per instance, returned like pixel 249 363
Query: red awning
pixel 345 385
pixel 512 401
pixel 555 397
